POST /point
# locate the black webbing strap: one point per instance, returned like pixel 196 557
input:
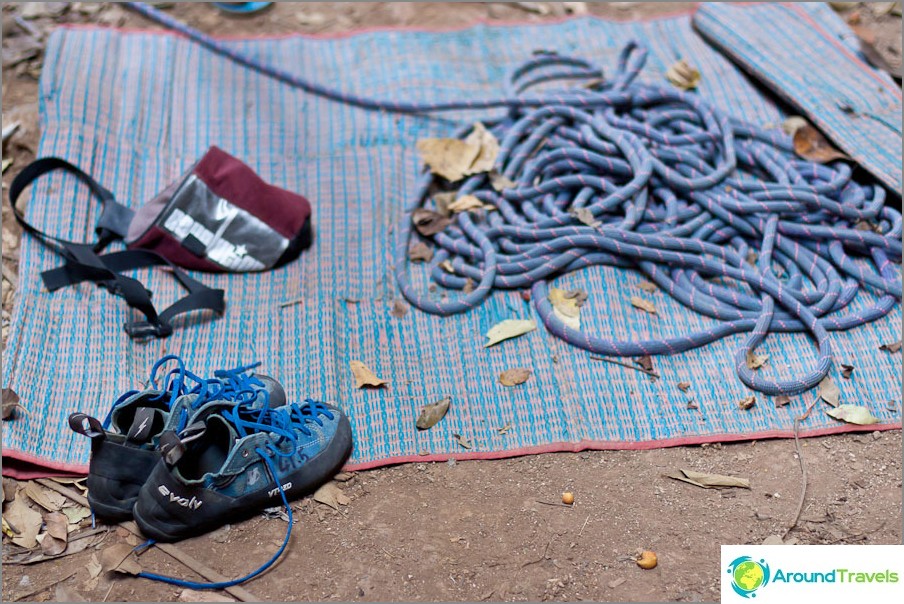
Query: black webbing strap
pixel 83 261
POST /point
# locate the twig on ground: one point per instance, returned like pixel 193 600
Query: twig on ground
pixel 560 505
pixel 583 526
pixel 803 467
pixel 634 367
pixel 168 548
pixel 541 558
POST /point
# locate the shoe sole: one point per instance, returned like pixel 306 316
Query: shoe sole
pixel 151 517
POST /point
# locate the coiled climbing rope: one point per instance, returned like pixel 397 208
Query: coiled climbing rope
pixel 676 190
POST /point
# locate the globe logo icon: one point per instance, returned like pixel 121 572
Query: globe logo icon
pixel 748 575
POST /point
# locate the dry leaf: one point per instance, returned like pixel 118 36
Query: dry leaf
pixel 47 499
pixel 644 305
pixel 846 371
pixel 6 164
pixel 510 328
pixel 420 252
pixel 427 222
pixel 585 216
pixel 488 146
pixel 431 414
pixel 647 287
pixel 330 494
pixel 504 430
pixel 710 481
pixel 646 361
pixel 76 513
pixel 567 304
pixel 462 441
pixel 793 124
pixel 94 567
pixel 119 558
pixel 781 400
pixel 891 348
pixel 10 401
pixel 810 144
pixel 468 287
pixel 853 414
pixel 191 595
pixel 747 402
pixel 500 182
pixel 514 377
pixel 682 75
pixel 53 541
pixel 755 361
pixel 684 386
pixel 828 391
pixel 364 376
pixel 399 309
pixel 442 201
pixel 24 521
pixel 450 158
pixel 446 265
pixel 468 202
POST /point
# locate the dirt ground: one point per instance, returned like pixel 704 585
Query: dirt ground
pixel 483 530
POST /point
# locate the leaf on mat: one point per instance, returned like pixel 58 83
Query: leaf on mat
pixel 644 305
pixel 755 361
pixel 846 371
pixel 500 182
pixel 431 414
pixel 682 75
pixel 514 377
pixel 47 499
pixel 567 304
pixel 891 348
pixel 684 386
pixel 747 402
pixel 462 441
pixel 793 124
pixel 646 361
pixel 10 403
pixel 450 158
pixel 399 309
pixel 420 252
pixel 468 202
pixel 781 400
pixel 828 391
pixel 24 522
pixel 330 494
pixel 53 541
pixel 94 567
pixel 488 147
pixel 853 414
pixel 468 287
pixel 442 201
pixel 504 430
pixel 427 222
pixel 119 558
pixel 364 376
pixel 810 144
pixel 710 481
pixel 510 328
pixel 191 595
pixel 585 216
pixel 647 286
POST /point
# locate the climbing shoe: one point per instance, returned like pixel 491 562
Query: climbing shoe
pixel 124 445
pixel 238 461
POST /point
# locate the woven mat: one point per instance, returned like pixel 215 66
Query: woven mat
pixel 135 109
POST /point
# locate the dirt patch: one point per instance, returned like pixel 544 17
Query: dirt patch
pixel 488 530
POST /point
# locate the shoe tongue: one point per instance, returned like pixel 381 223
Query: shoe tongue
pixel 147 423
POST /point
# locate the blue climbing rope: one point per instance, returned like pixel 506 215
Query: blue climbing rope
pixel 674 188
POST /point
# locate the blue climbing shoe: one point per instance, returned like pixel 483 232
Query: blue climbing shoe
pixel 238 461
pixel 124 445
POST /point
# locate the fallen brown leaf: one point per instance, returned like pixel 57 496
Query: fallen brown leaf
pixel 747 402
pixel 781 400
pixel 462 441
pixel 330 494
pixel 468 202
pixel 450 158
pixel 364 376
pixel 684 386
pixel 567 304
pixel 420 252
pixel 119 558
pixel 53 541
pixel 710 481
pixel 646 361
pixel 427 222
pixel 755 361
pixel 468 286
pixel 47 499
pixel 431 414
pixel 488 149
pixel 648 287
pixel 10 403
pixel 682 75
pixel 24 521
pixel 828 391
pixel 514 377
pixel 891 348
pixel 810 144
pixel 644 305
pixel 846 371
pixel 399 309
pixel 500 182
pixel 585 216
